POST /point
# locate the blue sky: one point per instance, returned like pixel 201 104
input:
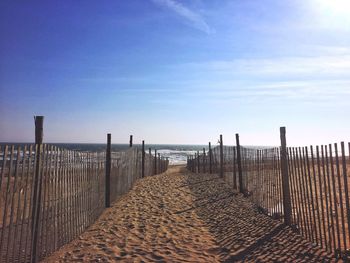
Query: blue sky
pixel 171 71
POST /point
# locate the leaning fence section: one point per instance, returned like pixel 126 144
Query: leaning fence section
pixel 305 187
pixel 49 195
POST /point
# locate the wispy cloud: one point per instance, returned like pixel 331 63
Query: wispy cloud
pixel 285 66
pixel 301 79
pixel 288 89
pixel 192 17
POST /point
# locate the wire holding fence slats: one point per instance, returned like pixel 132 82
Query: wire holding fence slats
pixel 71 189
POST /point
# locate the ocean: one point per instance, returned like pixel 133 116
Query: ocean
pixel 177 154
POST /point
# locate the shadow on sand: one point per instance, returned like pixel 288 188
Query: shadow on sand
pixel 241 231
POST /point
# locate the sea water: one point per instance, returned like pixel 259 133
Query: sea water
pixel 177 154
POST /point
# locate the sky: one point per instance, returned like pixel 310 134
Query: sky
pixel 176 72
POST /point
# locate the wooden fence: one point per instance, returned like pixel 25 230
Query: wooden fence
pixel 305 187
pixel 49 195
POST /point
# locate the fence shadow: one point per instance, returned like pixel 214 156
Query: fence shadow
pixel 242 231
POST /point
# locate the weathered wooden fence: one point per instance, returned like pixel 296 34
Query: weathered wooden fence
pixel 49 195
pixel 305 187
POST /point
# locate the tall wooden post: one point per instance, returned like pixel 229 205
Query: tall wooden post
pixel 198 162
pixel 234 169
pixel 39 135
pixel 210 159
pixel 143 159
pixel 39 129
pixel 108 172
pixel 239 164
pixel 195 163
pixel 192 164
pixel 130 142
pixel 150 160
pixel 155 161
pixel 159 164
pixel 204 160
pixel 287 206
pixel 221 157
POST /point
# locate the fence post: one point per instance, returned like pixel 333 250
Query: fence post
pixel 192 163
pixel 155 161
pixel 39 134
pixel 221 157
pixel 239 164
pixel 130 142
pixel 150 160
pixel 198 162
pixel 195 162
pixel 192 170
pixel 204 160
pixel 210 159
pixel 108 172
pixel 143 159
pixel 234 168
pixel 161 164
pixel 287 206
pixel 159 168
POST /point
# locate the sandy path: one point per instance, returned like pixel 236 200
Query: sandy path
pixel 182 217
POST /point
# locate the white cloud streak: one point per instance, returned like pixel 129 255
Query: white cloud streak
pixel 316 79
pixel 318 90
pixel 195 19
pixel 288 66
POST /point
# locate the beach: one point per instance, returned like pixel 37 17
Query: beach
pixel 179 216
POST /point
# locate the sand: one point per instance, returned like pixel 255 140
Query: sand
pixel 179 216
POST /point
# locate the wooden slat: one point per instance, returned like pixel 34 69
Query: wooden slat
pixel 323 192
pixel 311 192
pixel 334 191
pixel 23 217
pixel 346 190
pixel 329 191
pixel 11 245
pixel 307 194
pixel 6 207
pixel 30 181
pixel 294 194
pixel 317 200
pixel 343 245
pixel 44 207
pixel 16 252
